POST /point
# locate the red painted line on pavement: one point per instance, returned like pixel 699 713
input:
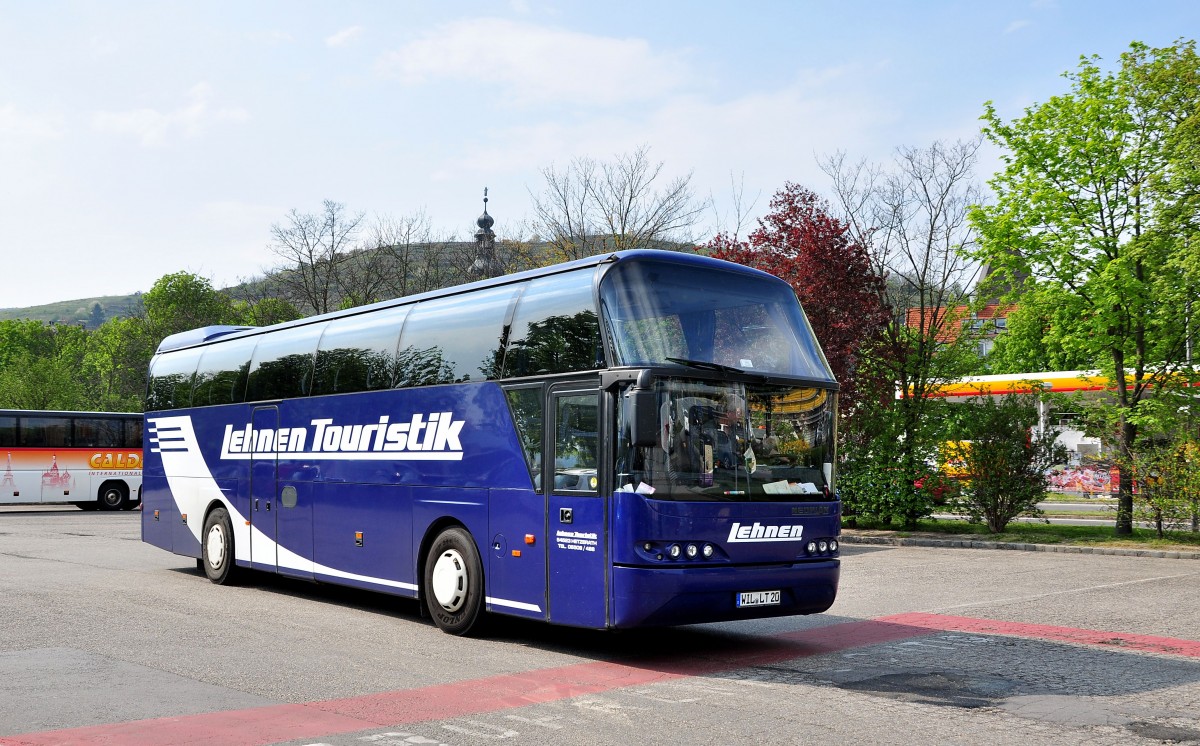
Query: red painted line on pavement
pixel 1121 640
pixel 274 723
pixel 271 724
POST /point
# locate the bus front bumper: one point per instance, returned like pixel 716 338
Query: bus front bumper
pixel 644 596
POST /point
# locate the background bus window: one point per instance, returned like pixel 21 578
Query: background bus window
pixel 8 431
pixel 133 434
pixel 45 432
pixel 98 433
pixel 575 443
pixel 455 339
pixel 526 406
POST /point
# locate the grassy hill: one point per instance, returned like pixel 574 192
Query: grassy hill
pixel 80 311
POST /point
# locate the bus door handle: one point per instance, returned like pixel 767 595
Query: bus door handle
pixel 268 505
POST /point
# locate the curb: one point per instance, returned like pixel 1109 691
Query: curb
pixel 901 541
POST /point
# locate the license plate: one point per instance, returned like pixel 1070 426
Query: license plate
pixel 757 598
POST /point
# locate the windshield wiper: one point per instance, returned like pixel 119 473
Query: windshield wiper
pixel 705 365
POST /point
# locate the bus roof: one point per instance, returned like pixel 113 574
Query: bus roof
pixel 204 335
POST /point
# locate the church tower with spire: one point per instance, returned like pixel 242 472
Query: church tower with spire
pixel 485 264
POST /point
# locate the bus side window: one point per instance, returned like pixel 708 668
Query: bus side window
pixel 221 375
pixel 45 432
pixel 526 407
pixel 171 377
pixel 282 365
pixel 8 431
pixel 133 434
pixel 555 329
pixel 454 339
pixel 358 353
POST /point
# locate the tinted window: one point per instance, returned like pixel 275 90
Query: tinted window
pixel 555 329
pixel 454 339
pixel 171 378
pixel 575 443
pixel 8 431
pixel 221 375
pixel 99 433
pixel 358 353
pixel 526 406
pixel 282 366
pixel 133 433
pixel 45 432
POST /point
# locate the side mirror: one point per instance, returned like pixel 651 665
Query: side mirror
pixel 641 406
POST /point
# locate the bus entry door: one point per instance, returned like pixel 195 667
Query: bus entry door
pixel 263 507
pixel 576 544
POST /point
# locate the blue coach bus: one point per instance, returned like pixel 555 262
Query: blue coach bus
pixel 640 438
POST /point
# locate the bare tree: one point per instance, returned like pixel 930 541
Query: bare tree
pixel 912 217
pixel 315 247
pixel 733 225
pixel 592 207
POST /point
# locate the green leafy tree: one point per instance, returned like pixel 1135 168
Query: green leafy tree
pixel 182 301
pixel 40 365
pixel 1095 199
pixel 1043 333
pixel 1007 467
pixel 115 364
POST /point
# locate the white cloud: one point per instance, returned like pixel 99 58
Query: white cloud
pixel 1016 26
pixel 537 64
pixel 344 37
pixel 155 128
pixel 18 125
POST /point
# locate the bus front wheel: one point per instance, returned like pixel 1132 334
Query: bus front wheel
pixel 216 546
pixel 454 582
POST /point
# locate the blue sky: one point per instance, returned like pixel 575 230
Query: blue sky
pixel 142 138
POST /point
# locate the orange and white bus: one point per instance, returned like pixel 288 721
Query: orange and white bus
pixel 88 459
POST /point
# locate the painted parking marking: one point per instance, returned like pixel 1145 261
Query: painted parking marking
pixel 287 722
pixel 1049 633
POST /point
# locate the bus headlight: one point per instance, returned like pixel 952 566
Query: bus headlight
pixel 708 551
pixel 673 550
pixel 812 547
pixel 833 545
pixel 692 551
pixel 823 546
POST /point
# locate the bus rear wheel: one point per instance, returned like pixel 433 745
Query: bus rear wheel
pixel 216 548
pixel 112 496
pixel 453 586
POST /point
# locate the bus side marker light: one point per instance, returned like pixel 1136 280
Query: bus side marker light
pixel 516 552
pixel 156 515
pixel 184 517
pixel 529 539
pixel 358 538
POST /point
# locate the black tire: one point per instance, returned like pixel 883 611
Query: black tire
pixel 453 587
pixel 216 548
pixel 112 496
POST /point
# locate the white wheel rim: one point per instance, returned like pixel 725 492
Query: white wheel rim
pixel 450 581
pixel 215 547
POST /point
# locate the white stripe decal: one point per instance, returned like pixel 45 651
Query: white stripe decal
pixel 193 489
pixel 513 604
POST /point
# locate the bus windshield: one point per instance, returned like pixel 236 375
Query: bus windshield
pixel 733 442
pixel 676 314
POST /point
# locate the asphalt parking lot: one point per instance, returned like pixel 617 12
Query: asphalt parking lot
pixel 108 640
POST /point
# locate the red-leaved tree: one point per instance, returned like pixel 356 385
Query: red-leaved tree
pixel 798 241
